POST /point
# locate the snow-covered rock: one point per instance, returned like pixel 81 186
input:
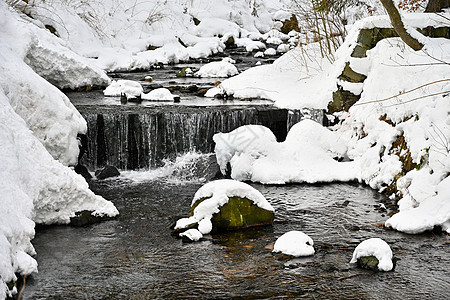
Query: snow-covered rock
pixel 375 247
pixel 212 198
pixel 130 88
pixel 192 235
pixel 295 243
pixel 161 94
pixel 217 69
pixel 270 52
pixel 305 156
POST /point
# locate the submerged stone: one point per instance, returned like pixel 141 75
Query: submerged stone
pixel 84 218
pixel 238 213
pixel 107 172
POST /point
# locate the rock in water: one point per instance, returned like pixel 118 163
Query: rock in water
pixel 83 171
pixel 107 172
pixel 373 254
pixel 228 205
pixel 238 213
pixel 294 243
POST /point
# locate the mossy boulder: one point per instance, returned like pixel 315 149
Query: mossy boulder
pixel 238 213
pixel 368 262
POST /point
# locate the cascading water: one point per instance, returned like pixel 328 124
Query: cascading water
pixel 142 137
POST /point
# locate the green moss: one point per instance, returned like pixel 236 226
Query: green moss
pixel 342 100
pixel 351 76
pixel 230 43
pixel 182 72
pixel 238 213
pixel 368 262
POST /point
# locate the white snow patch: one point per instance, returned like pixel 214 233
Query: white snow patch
pixel 295 243
pixel 375 247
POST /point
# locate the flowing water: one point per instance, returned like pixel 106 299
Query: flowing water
pixel 135 256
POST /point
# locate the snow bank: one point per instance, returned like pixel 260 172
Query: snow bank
pixel 375 247
pixel 35 188
pixel 301 69
pixel 39 128
pixel 217 69
pixel 295 243
pixel 47 111
pixel 306 155
pixel 217 194
pixel 434 211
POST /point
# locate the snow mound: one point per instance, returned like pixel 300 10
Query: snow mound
pixel 217 194
pixel 375 247
pixel 434 211
pixel 306 155
pixel 217 69
pixel 249 138
pixel 128 87
pixel 161 94
pixel 295 243
pixel 270 52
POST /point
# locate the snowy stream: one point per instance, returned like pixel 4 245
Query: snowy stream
pixel 135 257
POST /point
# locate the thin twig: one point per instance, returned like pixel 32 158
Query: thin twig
pixel 23 287
pixel 414 89
pixel 418 98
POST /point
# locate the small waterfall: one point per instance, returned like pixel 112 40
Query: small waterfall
pixel 144 137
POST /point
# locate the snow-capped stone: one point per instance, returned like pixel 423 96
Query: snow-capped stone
pixel 270 52
pixel 192 235
pixel 128 87
pixel 295 243
pixel 161 94
pixel 217 69
pixel 259 54
pixel 375 247
pixel 209 207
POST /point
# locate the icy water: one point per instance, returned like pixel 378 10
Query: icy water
pixel 135 256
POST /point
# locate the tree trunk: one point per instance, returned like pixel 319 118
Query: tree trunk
pixel 437 5
pixel 397 23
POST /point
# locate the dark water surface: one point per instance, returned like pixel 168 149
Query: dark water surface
pixel 135 257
